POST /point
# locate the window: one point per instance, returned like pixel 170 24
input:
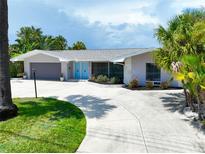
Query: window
pixel 116 70
pixel 153 73
pixel 99 68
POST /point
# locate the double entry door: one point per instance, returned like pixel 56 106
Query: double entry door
pixel 81 70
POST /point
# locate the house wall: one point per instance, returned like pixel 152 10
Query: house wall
pixel 64 69
pixel 90 69
pixel 128 70
pixel 70 70
pixel 135 68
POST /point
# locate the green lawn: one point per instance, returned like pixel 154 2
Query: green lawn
pixel 43 125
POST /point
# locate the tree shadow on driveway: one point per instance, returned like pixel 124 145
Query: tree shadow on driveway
pixel 93 107
pixel 174 102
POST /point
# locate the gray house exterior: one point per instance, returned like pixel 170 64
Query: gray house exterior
pixel 127 64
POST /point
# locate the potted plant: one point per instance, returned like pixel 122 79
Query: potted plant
pixel 24 76
pixel 61 77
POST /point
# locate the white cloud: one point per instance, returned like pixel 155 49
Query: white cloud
pixel 99 23
pixel 180 5
pixel 116 18
pixel 110 12
pixel 191 3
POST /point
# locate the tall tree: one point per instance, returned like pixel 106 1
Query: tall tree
pixel 54 43
pixel 7 108
pixel 79 45
pixel 30 38
pixel 185 35
pixel 180 37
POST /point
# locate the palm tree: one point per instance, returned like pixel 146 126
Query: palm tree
pixel 79 45
pixel 192 71
pixel 7 108
pixel 54 43
pixel 28 38
pixel 180 38
pixel 185 35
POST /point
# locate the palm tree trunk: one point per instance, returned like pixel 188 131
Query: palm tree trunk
pixel 199 104
pixel 186 98
pixel 190 101
pixel 7 108
pixel 186 95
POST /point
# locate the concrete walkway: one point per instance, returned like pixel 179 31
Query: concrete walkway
pixel 121 120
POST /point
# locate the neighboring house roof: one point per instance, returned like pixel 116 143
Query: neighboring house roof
pixel 113 55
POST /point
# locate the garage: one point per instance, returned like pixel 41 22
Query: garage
pixel 46 71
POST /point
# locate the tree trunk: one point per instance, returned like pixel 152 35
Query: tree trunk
pixel 191 101
pixel 199 104
pixel 186 98
pixel 7 108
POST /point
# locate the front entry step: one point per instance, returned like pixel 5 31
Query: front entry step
pixel 77 80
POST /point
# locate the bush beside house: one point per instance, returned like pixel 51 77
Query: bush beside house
pixel 164 85
pixel 149 85
pixel 105 80
pixel 134 84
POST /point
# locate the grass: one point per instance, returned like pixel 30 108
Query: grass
pixel 44 125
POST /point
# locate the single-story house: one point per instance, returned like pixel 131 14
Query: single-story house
pixel 127 64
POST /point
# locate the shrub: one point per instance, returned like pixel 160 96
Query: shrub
pixel 93 78
pixel 16 68
pixel 114 80
pixel 102 79
pixel 20 75
pixel 164 85
pixel 149 85
pixel 133 84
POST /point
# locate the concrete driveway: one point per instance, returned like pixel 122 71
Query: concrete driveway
pixel 121 120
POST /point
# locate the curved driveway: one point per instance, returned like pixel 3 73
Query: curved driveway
pixel 121 120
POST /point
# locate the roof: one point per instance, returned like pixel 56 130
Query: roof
pixel 113 55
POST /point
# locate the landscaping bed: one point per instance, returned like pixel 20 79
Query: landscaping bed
pixel 105 83
pixel 133 85
pixel 103 79
pixel 43 125
pixel 153 88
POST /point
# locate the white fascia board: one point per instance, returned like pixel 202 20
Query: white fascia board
pixel 32 53
pixel 122 58
pixel 14 59
pixel 63 60
pixel 24 56
pixel 118 60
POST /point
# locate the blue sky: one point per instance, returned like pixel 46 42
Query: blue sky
pixel 99 23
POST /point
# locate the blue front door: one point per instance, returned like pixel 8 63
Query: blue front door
pixel 84 70
pixel 81 70
pixel 77 70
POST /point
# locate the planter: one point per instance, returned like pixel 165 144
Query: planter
pixel 61 78
pixel 24 77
